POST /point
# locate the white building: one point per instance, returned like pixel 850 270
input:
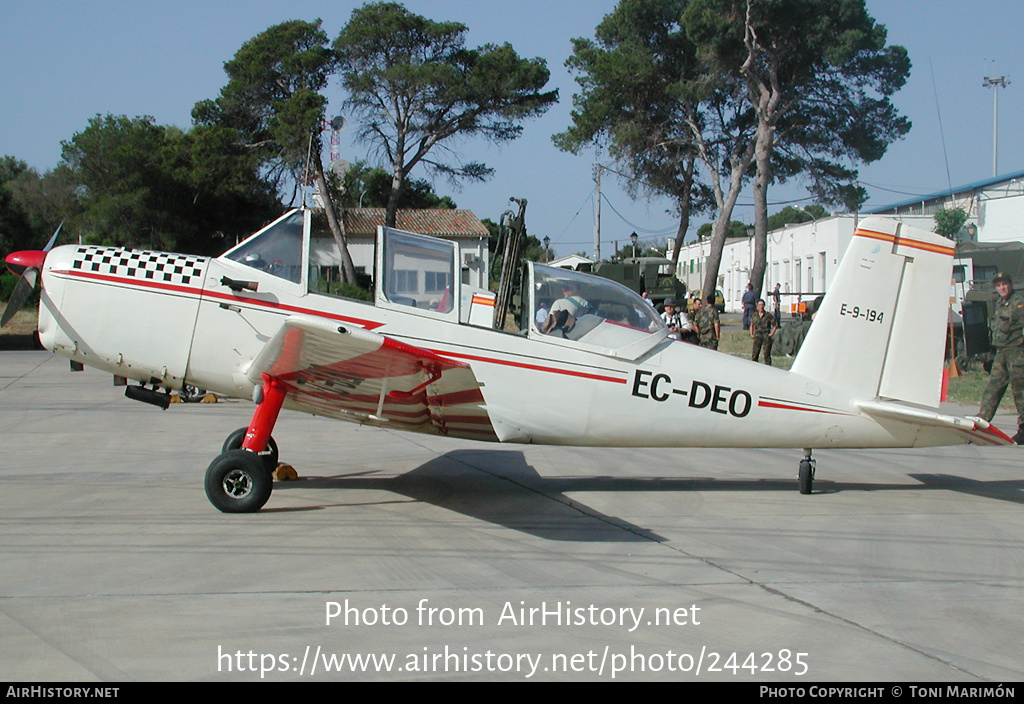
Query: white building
pixel 803 257
pixel 994 206
pixel 570 261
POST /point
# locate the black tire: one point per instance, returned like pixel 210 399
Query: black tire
pixel 269 455
pixel 806 477
pixel 238 482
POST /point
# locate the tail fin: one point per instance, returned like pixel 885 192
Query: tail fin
pixel 880 330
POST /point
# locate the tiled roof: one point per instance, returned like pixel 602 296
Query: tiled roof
pixel 454 224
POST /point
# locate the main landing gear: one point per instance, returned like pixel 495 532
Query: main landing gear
pixel 241 479
pixel 806 473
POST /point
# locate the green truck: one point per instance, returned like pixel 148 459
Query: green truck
pixel 651 274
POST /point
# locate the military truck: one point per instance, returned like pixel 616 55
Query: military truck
pixel 651 274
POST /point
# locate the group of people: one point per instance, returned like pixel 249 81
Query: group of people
pixel 705 329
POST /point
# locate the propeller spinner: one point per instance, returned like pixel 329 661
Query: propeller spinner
pixel 28 264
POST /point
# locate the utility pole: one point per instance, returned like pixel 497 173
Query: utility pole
pixel 995 82
pixel 597 213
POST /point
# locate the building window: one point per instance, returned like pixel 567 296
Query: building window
pixel 405 281
pixel 435 281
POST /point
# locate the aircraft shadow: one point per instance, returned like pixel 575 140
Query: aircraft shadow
pixel 500 487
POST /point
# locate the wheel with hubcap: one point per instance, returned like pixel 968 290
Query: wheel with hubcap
pixel 269 456
pixel 238 482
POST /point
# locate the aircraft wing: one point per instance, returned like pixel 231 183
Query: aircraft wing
pixel 353 374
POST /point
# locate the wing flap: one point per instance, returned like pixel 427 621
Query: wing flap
pixel 353 374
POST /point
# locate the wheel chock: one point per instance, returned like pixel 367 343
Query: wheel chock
pixel 285 472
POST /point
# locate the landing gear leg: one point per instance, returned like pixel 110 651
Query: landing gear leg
pixel 240 479
pixel 806 474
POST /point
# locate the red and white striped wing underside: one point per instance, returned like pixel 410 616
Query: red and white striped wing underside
pixel 352 374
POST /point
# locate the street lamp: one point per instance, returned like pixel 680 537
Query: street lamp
pixel 633 238
pixel 547 252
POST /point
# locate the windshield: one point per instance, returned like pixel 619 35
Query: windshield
pixel 277 249
pixel 588 309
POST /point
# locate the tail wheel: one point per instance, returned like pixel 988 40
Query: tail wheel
pixel 238 482
pixel 269 456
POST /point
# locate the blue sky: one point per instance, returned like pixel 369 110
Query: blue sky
pixel 66 61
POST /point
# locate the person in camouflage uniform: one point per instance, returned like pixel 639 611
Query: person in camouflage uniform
pixel 762 329
pixel 707 321
pixel 1007 327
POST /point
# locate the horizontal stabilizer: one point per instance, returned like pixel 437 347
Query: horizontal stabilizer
pixel 973 430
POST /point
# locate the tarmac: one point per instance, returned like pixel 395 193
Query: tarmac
pixel 398 556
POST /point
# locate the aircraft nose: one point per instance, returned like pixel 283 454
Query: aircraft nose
pixel 18 262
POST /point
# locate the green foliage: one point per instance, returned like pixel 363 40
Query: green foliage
pixel 370 187
pixel 414 86
pixel 271 102
pixel 949 221
pixel 791 214
pixel 736 229
pixel 819 73
pixel 140 184
pixel 7 283
pixel 15 228
pixel 635 82
pixel 343 288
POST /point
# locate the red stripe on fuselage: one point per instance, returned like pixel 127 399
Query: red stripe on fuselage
pixel 366 324
pixel 787 407
pixel 191 290
pixel 533 367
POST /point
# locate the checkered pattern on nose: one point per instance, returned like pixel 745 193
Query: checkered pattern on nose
pixel 161 267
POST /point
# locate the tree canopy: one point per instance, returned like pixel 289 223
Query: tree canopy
pixel 141 184
pixel 818 77
pixel 415 86
pixel 949 222
pixel 272 103
pixel 370 187
pixel 632 79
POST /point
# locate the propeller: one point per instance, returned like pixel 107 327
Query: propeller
pixel 27 263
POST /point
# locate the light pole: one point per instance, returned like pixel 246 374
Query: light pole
pixel 547 252
pixel 995 82
pixel 633 238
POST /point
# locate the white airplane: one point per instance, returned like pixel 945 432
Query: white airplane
pixel 425 355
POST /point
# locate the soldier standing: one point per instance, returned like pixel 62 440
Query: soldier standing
pixel 708 323
pixel 762 329
pixel 1007 326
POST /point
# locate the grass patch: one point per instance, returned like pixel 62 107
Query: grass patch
pixel 965 390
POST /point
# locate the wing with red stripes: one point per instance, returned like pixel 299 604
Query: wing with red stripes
pixel 353 374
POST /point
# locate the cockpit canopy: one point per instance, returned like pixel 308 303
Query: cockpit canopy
pixel 589 311
pixel 418 274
